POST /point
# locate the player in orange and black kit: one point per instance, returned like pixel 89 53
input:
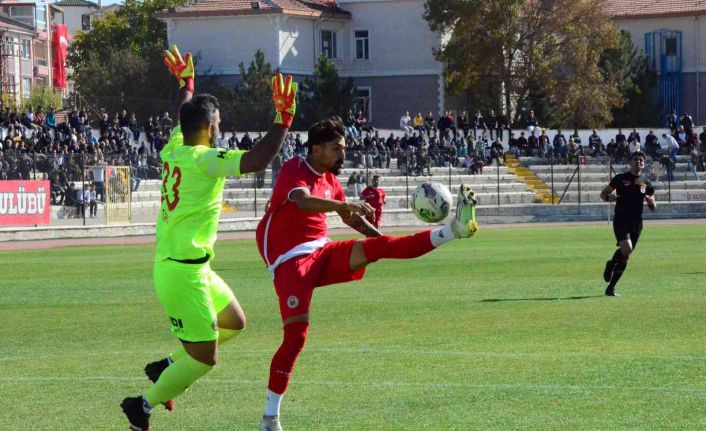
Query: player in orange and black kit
pixel 631 190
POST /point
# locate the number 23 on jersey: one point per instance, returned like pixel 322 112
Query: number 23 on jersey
pixel 171 178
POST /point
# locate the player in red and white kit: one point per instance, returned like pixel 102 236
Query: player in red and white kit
pixel 375 197
pixel 292 241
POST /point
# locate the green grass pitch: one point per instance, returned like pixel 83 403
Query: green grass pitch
pixel 506 331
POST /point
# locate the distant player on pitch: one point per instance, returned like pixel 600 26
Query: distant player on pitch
pixel 374 196
pixel 292 241
pixel 632 191
pixel 201 307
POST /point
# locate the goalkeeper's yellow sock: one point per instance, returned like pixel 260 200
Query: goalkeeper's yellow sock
pixel 175 379
pixel 224 335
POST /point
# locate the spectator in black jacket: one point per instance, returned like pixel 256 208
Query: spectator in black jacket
pixel 462 123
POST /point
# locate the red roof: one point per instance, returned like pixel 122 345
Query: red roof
pixel 204 8
pixel 632 9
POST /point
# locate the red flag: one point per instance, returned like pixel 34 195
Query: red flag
pixel 24 202
pixel 60 51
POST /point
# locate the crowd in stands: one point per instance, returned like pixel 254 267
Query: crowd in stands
pixel 35 144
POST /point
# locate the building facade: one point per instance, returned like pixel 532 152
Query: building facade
pixel 25 48
pixel 672 35
pixel 391 61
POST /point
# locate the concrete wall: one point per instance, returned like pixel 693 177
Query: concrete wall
pixel 391 96
pixel 223 43
pixel 72 17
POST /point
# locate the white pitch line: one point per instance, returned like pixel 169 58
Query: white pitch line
pixel 379 384
pixel 363 350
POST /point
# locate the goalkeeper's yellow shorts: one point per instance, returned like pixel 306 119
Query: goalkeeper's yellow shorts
pixel 192 296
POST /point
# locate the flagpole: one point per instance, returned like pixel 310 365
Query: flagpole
pixel 49 44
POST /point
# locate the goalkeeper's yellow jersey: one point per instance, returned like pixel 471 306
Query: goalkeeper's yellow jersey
pixel 192 196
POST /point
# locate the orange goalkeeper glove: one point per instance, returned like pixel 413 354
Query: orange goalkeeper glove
pixel 284 94
pixel 181 68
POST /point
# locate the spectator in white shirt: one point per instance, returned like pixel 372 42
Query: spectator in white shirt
pixel 672 145
pixel 633 146
pixel 90 197
pixel 406 123
pixel 80 202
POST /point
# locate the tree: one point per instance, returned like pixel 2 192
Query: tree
pixel 252 98
pixel 628 66
pixel 540 54
pixel 324 95
pixel 118 65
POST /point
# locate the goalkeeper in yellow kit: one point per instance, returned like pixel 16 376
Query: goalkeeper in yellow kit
pixel 201 308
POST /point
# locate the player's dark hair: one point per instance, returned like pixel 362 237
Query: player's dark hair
pixel 197 112
pixel 638 153
pixel 326 130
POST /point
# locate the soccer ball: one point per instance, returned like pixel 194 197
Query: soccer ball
pixel 431 202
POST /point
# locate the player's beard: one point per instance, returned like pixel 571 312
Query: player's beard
pixel 336 169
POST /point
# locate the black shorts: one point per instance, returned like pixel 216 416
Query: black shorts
pixel 627 230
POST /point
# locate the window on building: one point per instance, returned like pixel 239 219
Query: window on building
pixel 362 101
pixel 328 44
pixel 670 46
pixel 23 14
pixel 85 22
pixel 40 17
pixel 362 51
pixel 10 48
pixel 26 87
pixel 11 84
pixel 26 49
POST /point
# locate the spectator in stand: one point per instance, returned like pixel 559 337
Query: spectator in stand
pixel 671 145
pixel 622 154
pixel 90 197
pixel 702 139
pixel 477 164
pixel 533 143
pixel 532 122
pixel 462 123
pixel 50 119
pixel 419 123
pixel 523 144
pixel 374 195
pixel 652 147
pixel 572 152
pixel 133 127
pixel 673 121
pixel 633 144
pixel 577 139
pixel 687 122
pixel 233 140
pixel 223 141
pixel 430 124
pixel 166 121
pixel 681 136
pixel 246 142
pixel 559 142
pixel 478 123
pixel 361 122
pixel 496 151
pixel 620 137
pixel 502 123
pixel 491 122
pixel 593 142
pixel 406 123
pixel 104 125
pixel 694 163
pixel 512 141
pixel 80 201
pixel 350 124
pixel 445 123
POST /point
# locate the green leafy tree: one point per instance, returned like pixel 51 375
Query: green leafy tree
pixel 45 97
pixel 627 65
pixel 539 54
pixel 251 105
pixel 324 95
pixel 118 65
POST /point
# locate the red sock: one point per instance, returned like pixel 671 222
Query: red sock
pixel 403 247
pixel 285 357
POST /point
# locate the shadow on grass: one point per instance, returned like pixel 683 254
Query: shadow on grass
pixel 538 299
pixel 695 273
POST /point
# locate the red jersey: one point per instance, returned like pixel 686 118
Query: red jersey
pixel 284 226
pixel 374 197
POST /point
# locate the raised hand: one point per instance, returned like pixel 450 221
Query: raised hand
pixel 284 94
pixel 181 68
